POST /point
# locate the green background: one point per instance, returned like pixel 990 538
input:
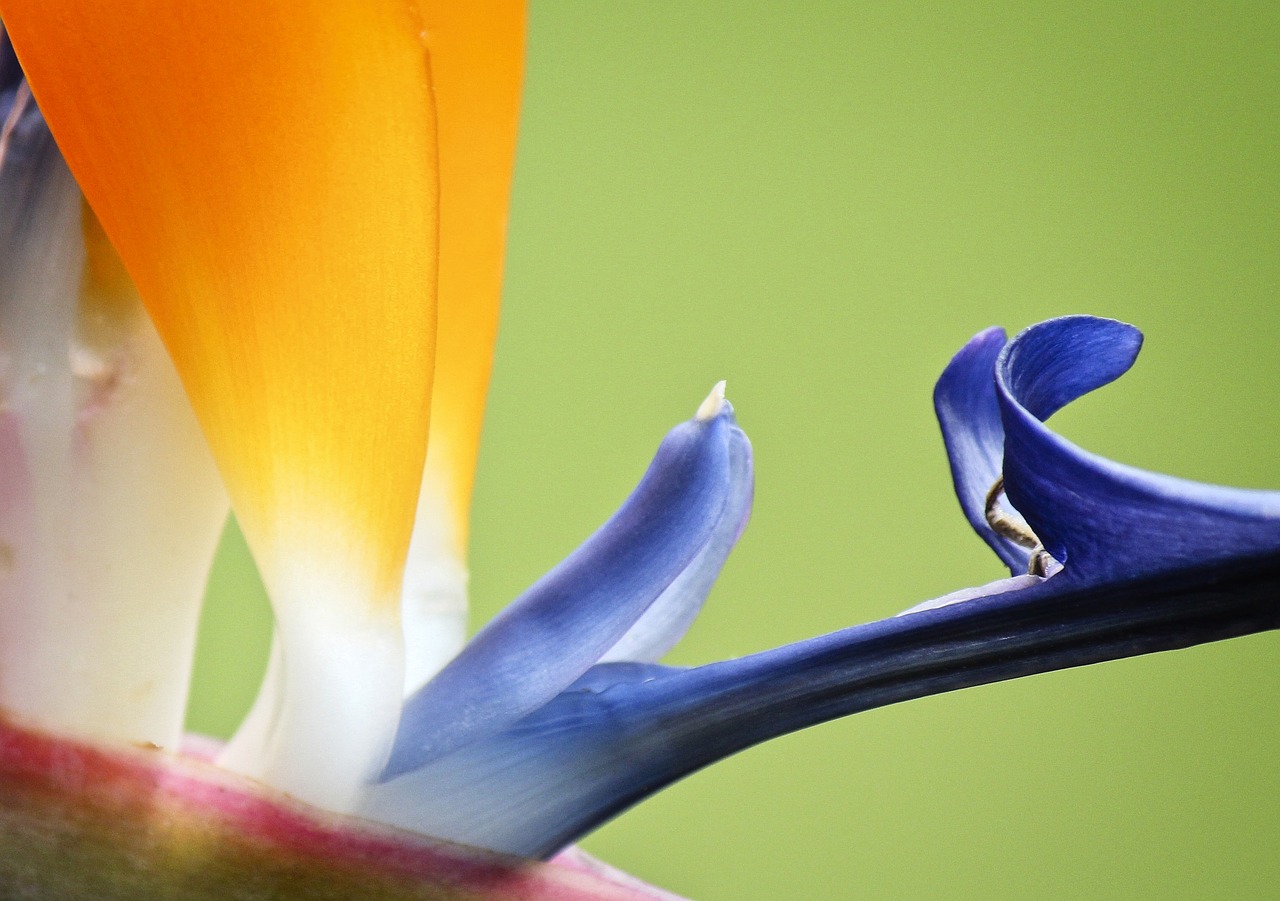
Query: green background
pixel 820 202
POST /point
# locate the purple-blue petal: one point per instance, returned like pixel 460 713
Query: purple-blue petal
pixel 553 633
pixel 969 414
pixel 1152 563
pixel 1104 520
pixel 541 783
pixel 666 621
pixel 624 732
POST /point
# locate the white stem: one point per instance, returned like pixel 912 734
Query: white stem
pixel 434 599
pixel 323 722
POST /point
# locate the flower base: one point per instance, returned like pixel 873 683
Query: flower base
pixel 84 821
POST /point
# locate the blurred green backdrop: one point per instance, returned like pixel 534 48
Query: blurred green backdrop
pixel 820 201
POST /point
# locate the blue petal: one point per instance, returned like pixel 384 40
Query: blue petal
pixel 621 735
pixel 533 788
pixel 665 623
pixel 1153 563
pixel 554 632
pixel 969 414
pixel 1104 520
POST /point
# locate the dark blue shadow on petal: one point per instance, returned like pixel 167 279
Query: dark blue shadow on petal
pixel 10 71
pixel 40 244
pixel 29 159
pixel 25 143
pixel 547 638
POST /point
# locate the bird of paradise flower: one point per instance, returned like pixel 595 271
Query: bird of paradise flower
pixel 290 267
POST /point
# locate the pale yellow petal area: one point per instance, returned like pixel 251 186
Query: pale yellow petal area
pixel 110 505
pixel 267 172
pixel 477 61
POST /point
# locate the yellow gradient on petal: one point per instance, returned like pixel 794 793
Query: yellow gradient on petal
pixel 477 62
pixel 267 172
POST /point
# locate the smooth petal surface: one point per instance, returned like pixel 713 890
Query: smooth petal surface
pixel 270 181
pixel 669 618
pixel 564 623
pixel 1104 520
pixel 110 505
pixel 544 781
pixel 477 62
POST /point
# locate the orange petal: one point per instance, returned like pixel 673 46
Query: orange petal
pixel 268 174
pixel 477 57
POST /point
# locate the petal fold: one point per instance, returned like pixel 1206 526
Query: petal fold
pixel 1104 520
pixel 553 633
pixel 969 414
pixel 477 58
pixel 662 626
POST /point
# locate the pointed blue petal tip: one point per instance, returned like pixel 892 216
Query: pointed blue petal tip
pixel 628 593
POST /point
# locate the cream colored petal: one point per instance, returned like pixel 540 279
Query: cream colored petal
pixel 110 505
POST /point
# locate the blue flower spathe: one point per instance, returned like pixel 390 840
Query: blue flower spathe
pixel 533 744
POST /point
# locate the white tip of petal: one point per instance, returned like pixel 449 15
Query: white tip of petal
pixel 1000 586
pixel 711 407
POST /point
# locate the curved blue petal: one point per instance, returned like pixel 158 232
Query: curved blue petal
pixel 549 636
pixel 1152 563
pixel 965 402
pixel 621 731
pixel 620 735
pixel 665 623
pixel 1104 520
pixel 533 788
